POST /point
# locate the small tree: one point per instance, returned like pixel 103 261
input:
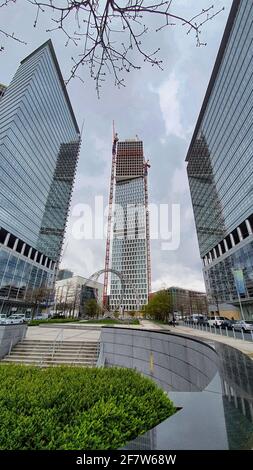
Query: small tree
pixel 36 297
pixel 92 308
pixel 160 306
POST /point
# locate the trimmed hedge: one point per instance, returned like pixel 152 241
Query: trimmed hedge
pixel 111 321
pixel 52 320
pixel 76 408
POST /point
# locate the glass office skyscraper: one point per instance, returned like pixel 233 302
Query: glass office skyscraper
pixel 220 167
pixel 130 245
pixel 39 146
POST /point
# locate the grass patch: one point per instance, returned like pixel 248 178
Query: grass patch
pixel 111 321
pixel 52 320
pixel 76 408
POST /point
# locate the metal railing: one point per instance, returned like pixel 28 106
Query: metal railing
pixel 76 360
pixel 217 330
pixel 58 340
pixel 11 346
pixel 51 352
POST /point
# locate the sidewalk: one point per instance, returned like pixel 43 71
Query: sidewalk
pixel 69 334
pixel 244 346
pixel 82 332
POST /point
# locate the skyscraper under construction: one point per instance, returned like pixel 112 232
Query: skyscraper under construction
pixel 130 235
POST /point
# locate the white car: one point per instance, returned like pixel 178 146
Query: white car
pixel 215 321
pixel 242 325
pixel 3 318
pixel 15 319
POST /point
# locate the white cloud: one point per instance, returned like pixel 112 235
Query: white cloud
pixel 180 276
pixel 180 183
pixel 170 106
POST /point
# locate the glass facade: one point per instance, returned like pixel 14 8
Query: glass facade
pixel 19 277
pixel 220 160
pixel 220 277
pixel 39 147
pixel 129 247
pixel 36 128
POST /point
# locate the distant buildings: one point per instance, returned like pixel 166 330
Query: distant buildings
pixel 130 246
pixel 220 168
pixel 72 293
pixel 39 146
pixel 64 274
pixel 188 302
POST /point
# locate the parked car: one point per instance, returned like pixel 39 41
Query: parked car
pixel 12 320
pixel 242 325
pixel 202 320
pixel 17 318
pixel 228 323
pixel 3 318
pixel 194 319
pixel 215 321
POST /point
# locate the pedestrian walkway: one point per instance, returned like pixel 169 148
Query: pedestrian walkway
pixel 244 346
pixel 67 334
pixel 92 333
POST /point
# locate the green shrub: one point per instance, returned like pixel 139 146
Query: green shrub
pixel 76 408
pixel 111 321
pixel 52 320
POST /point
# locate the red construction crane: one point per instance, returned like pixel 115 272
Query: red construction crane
pixel 109 224
pixel 146 167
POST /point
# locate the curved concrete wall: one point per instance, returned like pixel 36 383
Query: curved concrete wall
pixel 175 362
pixel 9 336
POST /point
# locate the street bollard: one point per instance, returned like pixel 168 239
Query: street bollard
pixel 242 334
pixel 234 333
pixel 226 330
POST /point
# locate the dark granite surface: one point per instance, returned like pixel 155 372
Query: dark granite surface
pixel 211 383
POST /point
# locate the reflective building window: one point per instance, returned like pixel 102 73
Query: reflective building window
pixel 39 147
pixel 220 159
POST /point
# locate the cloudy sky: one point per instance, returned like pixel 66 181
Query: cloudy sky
pixel 161 107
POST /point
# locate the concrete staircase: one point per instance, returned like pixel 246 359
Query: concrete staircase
pixel 54 353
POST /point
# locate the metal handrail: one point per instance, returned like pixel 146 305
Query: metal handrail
pixel 52 347
pixel 78 355
pixel 60 335
pixel 10 348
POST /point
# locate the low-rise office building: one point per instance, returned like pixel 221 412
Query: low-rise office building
pixel 188 302
pixel 72 293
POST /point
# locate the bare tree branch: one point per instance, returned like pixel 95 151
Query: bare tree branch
pixel 5 3
pixel 110 35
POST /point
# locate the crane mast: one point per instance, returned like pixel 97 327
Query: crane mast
pixel 109 223
pixel 146 168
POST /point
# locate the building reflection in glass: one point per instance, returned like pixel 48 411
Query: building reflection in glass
pixel 236 371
